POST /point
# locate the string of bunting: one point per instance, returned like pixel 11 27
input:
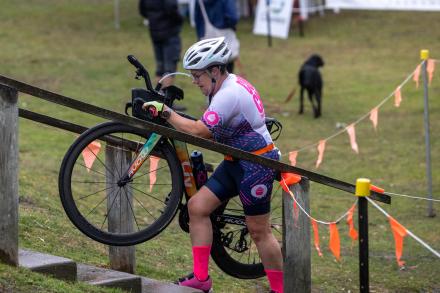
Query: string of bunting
pixel 289 179
pixel 373 115
pixel 399 232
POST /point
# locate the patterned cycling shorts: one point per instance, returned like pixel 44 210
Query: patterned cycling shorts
pixel 252 182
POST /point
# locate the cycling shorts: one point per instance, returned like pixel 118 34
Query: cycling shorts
pixel 252 182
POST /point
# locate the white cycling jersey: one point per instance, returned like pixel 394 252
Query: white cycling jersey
pixel 236 115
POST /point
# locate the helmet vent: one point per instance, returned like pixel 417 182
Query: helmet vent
pixel 225 52
pixel 195 61
pixel 191 55
pixel 219 48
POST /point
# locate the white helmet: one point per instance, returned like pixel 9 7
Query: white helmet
pixel 206 53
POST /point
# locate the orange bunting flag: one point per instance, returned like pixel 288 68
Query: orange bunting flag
pixel 321 148
pixel 430 67
pixel 316 234
pixel 398 232
pixel 90 153
pixel 352 134
pixel 376 189
pixel 351 230
pixel 417 75
pixel 374 114
pixel 290 178
pixel 335 244
pixel 154 162
pixel 397 97
pixel 292 157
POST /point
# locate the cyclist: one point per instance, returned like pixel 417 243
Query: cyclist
pixel 235 117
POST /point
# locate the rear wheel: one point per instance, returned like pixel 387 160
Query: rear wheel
pixel 112 213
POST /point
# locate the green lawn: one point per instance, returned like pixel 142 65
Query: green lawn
pixel 72 48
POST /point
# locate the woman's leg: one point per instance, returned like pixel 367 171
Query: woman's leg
pixel 200 207
pixel 268 249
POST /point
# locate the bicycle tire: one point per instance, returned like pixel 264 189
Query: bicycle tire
pixel 245 264
pixel 72 169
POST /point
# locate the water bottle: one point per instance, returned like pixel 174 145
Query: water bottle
pixel 199 170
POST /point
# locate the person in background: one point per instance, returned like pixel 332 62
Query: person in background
pixel 222 14
pixel 165 24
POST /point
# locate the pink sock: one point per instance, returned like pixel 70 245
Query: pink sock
pixel 275 280
pixel 201 261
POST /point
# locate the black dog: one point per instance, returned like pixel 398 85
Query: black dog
pixel 310 80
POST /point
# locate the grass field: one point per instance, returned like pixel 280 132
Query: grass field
pixel 72 48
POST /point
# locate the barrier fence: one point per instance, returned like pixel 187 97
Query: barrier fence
pixel 297 255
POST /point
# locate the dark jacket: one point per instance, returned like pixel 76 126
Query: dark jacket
pixel 221 13
pixel 163 17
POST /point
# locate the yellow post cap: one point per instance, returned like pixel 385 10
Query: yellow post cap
pixel 424 54
pixel 363 187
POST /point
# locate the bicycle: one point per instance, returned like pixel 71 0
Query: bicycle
pixel 83 191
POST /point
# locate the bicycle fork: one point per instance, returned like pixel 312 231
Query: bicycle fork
pixel 140 159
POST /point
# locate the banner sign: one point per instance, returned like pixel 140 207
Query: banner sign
pixel 279 12
pixel 422 5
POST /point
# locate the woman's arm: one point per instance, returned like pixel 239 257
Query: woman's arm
pixel 197 128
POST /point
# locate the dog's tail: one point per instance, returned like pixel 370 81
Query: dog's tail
pixel 290 96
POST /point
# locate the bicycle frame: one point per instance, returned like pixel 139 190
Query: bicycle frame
pixel 182 154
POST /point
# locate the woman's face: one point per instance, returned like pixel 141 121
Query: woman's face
pixel 202 80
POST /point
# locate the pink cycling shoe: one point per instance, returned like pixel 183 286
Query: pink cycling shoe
pixel 192 282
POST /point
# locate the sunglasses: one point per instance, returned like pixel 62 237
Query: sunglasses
pixel 196 76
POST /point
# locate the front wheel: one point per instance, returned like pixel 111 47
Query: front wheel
pixel 104 209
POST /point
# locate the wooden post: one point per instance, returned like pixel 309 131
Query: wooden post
pixel 120 216
pixel 296 240
pixel 8 176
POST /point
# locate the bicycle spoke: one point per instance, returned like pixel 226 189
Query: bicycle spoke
pixel 85 196
pixel 142 183
pixel 148 195
pixel 145 208
pixel 98 204
pixel 92 182
pixel 90 169
pixel 108 210
pixel 131 208
pixel 276 218
pixel 134 178
pixel 277 230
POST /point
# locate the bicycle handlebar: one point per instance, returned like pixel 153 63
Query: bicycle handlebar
pixel 141 71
